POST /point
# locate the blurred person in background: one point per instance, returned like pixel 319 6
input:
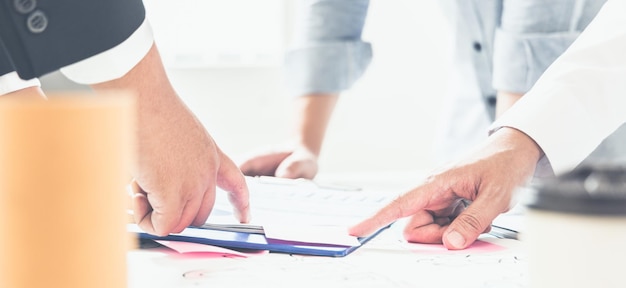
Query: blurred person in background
pixel 501 47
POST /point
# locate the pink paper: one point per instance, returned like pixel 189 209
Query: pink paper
pixel 478 247
pixel 188 247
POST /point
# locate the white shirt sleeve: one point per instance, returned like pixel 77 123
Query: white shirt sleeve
pixel 11 82
pixel 581 98
pixel 115 62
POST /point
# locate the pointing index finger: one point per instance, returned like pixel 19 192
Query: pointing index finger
pixel 403 206
pixel 233 182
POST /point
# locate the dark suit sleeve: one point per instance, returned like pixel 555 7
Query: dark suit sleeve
pixel 6 65
pixel 45 35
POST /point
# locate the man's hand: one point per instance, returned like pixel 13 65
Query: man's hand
pixel 285 163
pixel 179 167
pixel 486 180
pixel 179 164
pixel 299 160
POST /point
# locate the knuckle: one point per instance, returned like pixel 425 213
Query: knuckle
pixel 398 208
pixel 470 222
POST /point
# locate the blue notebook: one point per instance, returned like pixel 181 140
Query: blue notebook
pixel 287 202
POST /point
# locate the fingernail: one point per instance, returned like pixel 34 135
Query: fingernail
pixel 243 217
pixel 456 239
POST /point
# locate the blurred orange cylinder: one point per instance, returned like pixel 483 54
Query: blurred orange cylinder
pixel 64 166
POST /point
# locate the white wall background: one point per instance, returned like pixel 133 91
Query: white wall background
pixel 224 59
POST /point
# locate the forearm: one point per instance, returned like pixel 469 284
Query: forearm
pixel 158 108
pixel 148 81
pixel 313 115
pixel 155 102
pixel 505 100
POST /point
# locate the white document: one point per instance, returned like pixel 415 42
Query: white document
pixel 288 208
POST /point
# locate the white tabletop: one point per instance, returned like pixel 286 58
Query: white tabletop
pixel 386 261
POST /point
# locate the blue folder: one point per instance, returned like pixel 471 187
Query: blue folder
pixel 256 241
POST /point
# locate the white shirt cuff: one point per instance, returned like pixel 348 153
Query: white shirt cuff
pixel 115 62
pixel 11 82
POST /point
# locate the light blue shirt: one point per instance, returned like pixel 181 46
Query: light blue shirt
pixel 498 45
pixel 327 53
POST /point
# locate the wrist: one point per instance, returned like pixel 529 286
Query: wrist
pixel 521 143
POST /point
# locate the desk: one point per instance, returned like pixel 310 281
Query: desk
pixel 386 261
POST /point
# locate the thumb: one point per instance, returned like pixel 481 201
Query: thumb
pixel 286 169
pixel 466 227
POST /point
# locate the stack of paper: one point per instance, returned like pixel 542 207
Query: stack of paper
pixel 289 216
